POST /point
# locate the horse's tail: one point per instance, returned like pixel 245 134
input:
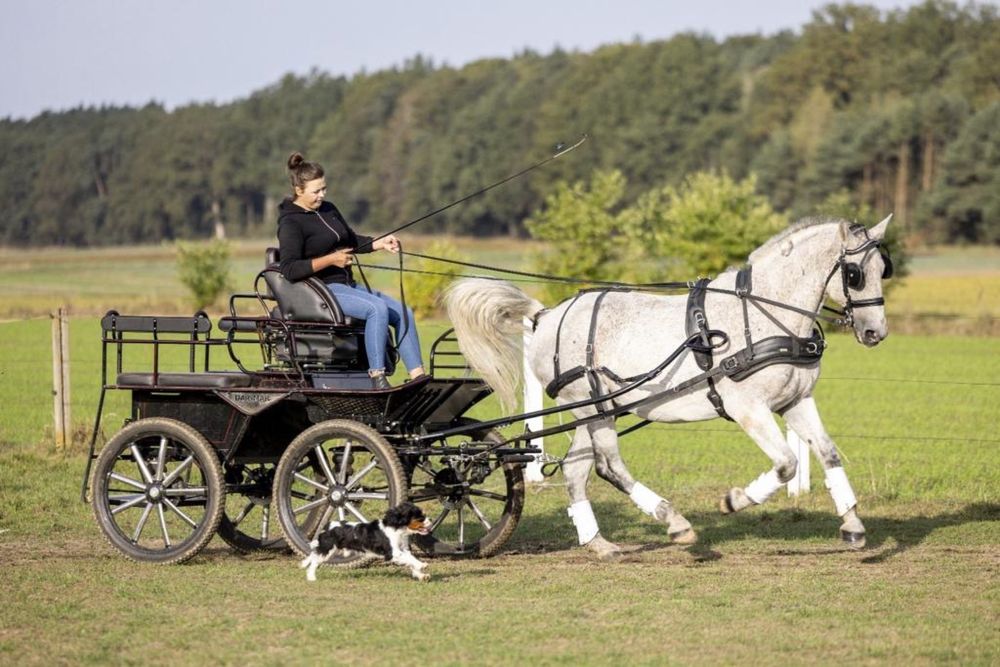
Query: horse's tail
pixel 487 316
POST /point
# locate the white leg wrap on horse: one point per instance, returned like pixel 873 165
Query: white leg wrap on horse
pixel 584 520
pixel 763 487
pixel 645 499
pixel 840 490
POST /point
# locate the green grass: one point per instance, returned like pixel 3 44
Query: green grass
pixel 914 418
pixel 771 584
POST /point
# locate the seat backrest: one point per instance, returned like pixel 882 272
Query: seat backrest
pixel 271 257
pixel 303 301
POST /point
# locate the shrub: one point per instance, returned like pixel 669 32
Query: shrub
pixel 204 269
pixel 423 290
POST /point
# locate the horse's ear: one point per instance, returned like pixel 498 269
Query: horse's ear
pixel 878 231
pixel 786 248
pixel 845 231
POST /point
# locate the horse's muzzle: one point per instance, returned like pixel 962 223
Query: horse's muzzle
pixel 871 337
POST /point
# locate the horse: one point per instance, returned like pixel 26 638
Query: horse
pixel 611 337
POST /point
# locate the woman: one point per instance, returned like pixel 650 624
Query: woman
pixel 315 240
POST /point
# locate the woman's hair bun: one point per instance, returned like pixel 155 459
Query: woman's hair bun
pixel 295 159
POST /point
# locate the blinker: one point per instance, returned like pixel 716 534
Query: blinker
pixel 855 274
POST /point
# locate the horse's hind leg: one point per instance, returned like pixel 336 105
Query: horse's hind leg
pixel 611 468
pixel 759 424
pixel 803 418
pixel 576 468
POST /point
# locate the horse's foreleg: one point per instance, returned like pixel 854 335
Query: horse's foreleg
pixel 611 468
pixel 803 418
pixel 759 424
pixel 576 468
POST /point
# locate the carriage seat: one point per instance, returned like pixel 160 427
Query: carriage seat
pixel 308 302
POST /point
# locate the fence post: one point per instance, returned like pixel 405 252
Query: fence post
pixel 60 377
pixel 532 402
pixel 800 483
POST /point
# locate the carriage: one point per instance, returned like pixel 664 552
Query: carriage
pixel 295 432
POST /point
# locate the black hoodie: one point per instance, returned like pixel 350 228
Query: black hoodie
pixel 304 235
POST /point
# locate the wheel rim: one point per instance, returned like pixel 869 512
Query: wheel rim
pixel 157 494
pixel 248 522
pixel 334 475
pixel 470 503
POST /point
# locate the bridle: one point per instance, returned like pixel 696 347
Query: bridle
pixel 852 273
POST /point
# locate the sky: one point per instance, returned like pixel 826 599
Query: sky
pixel 60 54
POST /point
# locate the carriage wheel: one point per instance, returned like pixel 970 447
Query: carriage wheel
pixel 337 470
pixel 158 491
pixel 473 505
pixel 247 524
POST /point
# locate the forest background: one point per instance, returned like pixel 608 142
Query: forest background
pixel 898 111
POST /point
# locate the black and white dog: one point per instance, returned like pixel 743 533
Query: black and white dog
pixel 388 538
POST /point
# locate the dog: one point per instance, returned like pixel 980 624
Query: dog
pixel 388 538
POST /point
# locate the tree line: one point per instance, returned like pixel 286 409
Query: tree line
pixel 895 111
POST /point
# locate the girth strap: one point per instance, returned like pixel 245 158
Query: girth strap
pixel 696 322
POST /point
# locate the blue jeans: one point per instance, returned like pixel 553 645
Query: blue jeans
pixel 379 311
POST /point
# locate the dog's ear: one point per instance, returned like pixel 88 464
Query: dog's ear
pixel 396 517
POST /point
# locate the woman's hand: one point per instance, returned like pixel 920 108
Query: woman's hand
pixel 342 258
pixel 390 243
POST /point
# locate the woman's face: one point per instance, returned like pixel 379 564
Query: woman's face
pixel 311 195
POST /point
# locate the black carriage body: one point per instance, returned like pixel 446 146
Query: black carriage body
pixel 255 423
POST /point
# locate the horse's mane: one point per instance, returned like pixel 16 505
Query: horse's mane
pixel 794 228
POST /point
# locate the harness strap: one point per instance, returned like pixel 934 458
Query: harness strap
pixel 595 381
pixel 697 323
pixel 744 285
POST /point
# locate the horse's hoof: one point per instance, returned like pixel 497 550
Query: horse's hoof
pixel 734 501
pixel 684 537
pixel 852 539
pixel 606 551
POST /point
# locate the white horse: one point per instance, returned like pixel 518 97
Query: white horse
pixel 633 332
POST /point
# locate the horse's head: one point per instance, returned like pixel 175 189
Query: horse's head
pixel 856 281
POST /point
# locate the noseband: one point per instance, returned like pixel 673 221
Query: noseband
pixel 852 274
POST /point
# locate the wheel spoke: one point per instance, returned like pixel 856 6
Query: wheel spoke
pixel 187 491
pixel 242 515
pixel 422 495
pixel 142 523
pixel 479 515
pixel 361 473
pixel 487 494
pixel 141 462
pixel 265 522
pixel 308 506
pixel 127 480
pixel 178 471
pixel 311 482
pixel 324 464
pixel 341 515
pixel 461 529
pixel 176 510
pixel 132 502
pixel 324 520
pixel 437 522
pixel 163 525
pixel 354 510
pixel 342 477
pixel 161 458
pixel 367 495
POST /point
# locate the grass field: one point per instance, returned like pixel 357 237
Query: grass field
pixel 915 420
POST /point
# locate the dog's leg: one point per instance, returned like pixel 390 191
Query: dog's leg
pixel 407 559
